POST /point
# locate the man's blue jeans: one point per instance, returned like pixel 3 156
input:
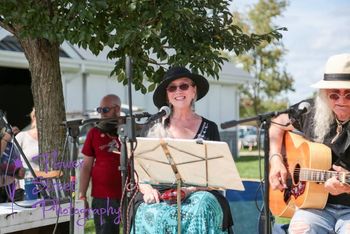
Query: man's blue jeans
pixel 331 219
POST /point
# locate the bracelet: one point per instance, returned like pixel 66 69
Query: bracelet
pixel 82 198
pixel 276 154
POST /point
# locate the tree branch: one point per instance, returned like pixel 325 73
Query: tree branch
pixel 8 27
pixel 49 5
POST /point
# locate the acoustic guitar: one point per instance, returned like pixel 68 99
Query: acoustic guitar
pixel 308 164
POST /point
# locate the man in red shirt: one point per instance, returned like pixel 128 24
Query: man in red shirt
pixel 101 162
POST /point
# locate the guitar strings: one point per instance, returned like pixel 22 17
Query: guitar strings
pixel 317 175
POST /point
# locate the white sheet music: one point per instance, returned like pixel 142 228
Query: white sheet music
pixel 199 163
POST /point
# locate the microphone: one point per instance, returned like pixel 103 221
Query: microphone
pixel 303 108
pixel 163 111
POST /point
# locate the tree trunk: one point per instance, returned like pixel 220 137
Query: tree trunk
pixel 43 58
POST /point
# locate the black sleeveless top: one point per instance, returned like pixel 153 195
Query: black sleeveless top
pixel 208 130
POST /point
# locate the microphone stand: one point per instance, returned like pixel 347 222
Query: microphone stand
pixel 265 120
pixel 74 132
pixel 127 133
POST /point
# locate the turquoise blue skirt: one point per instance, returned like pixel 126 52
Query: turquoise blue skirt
pixel 200 213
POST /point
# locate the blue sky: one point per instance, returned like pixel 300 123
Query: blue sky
pixel 317 29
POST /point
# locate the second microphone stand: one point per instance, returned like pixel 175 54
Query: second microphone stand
pixel 127 133
pixel 73 132
pixel 265 121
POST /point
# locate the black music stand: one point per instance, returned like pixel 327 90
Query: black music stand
pixel 186 163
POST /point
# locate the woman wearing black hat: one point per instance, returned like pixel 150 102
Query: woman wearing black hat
pixel 202 211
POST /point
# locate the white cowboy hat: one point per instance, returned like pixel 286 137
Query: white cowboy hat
pixel 337 73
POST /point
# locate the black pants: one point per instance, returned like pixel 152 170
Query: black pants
pixel 106 215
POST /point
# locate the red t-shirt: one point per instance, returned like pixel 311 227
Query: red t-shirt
pixel 106 177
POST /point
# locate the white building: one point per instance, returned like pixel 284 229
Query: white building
pixel 85 80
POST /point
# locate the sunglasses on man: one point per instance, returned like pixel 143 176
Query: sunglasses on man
pixel 105 110
pixel 336 96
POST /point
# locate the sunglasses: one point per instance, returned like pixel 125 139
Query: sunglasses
pixel 104 110
pixel 336 96
pixel 183 87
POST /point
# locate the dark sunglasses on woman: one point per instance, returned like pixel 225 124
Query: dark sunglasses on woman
pixel 183 87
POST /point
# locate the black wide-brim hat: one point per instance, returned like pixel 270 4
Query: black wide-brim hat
pixel 160 95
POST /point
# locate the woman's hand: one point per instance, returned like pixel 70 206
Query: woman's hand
pixel 334 186
pixel 150 195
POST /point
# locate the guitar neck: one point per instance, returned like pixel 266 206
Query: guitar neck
pixel 314 175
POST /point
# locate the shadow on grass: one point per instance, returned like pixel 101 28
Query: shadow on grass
pixel 248 159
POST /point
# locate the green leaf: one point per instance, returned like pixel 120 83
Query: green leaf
pixel 151 87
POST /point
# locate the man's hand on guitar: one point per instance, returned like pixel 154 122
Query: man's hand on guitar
pixel 278 174
pixel 334 185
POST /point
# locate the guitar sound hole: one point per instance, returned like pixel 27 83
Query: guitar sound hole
pixel 296 174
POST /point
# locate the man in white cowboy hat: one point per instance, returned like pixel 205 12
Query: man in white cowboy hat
pixel 327 123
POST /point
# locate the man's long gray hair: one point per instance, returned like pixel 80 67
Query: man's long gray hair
pixel 324 116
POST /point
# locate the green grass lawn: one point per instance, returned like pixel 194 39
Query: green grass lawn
pixel 249 167
pixel 89 227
